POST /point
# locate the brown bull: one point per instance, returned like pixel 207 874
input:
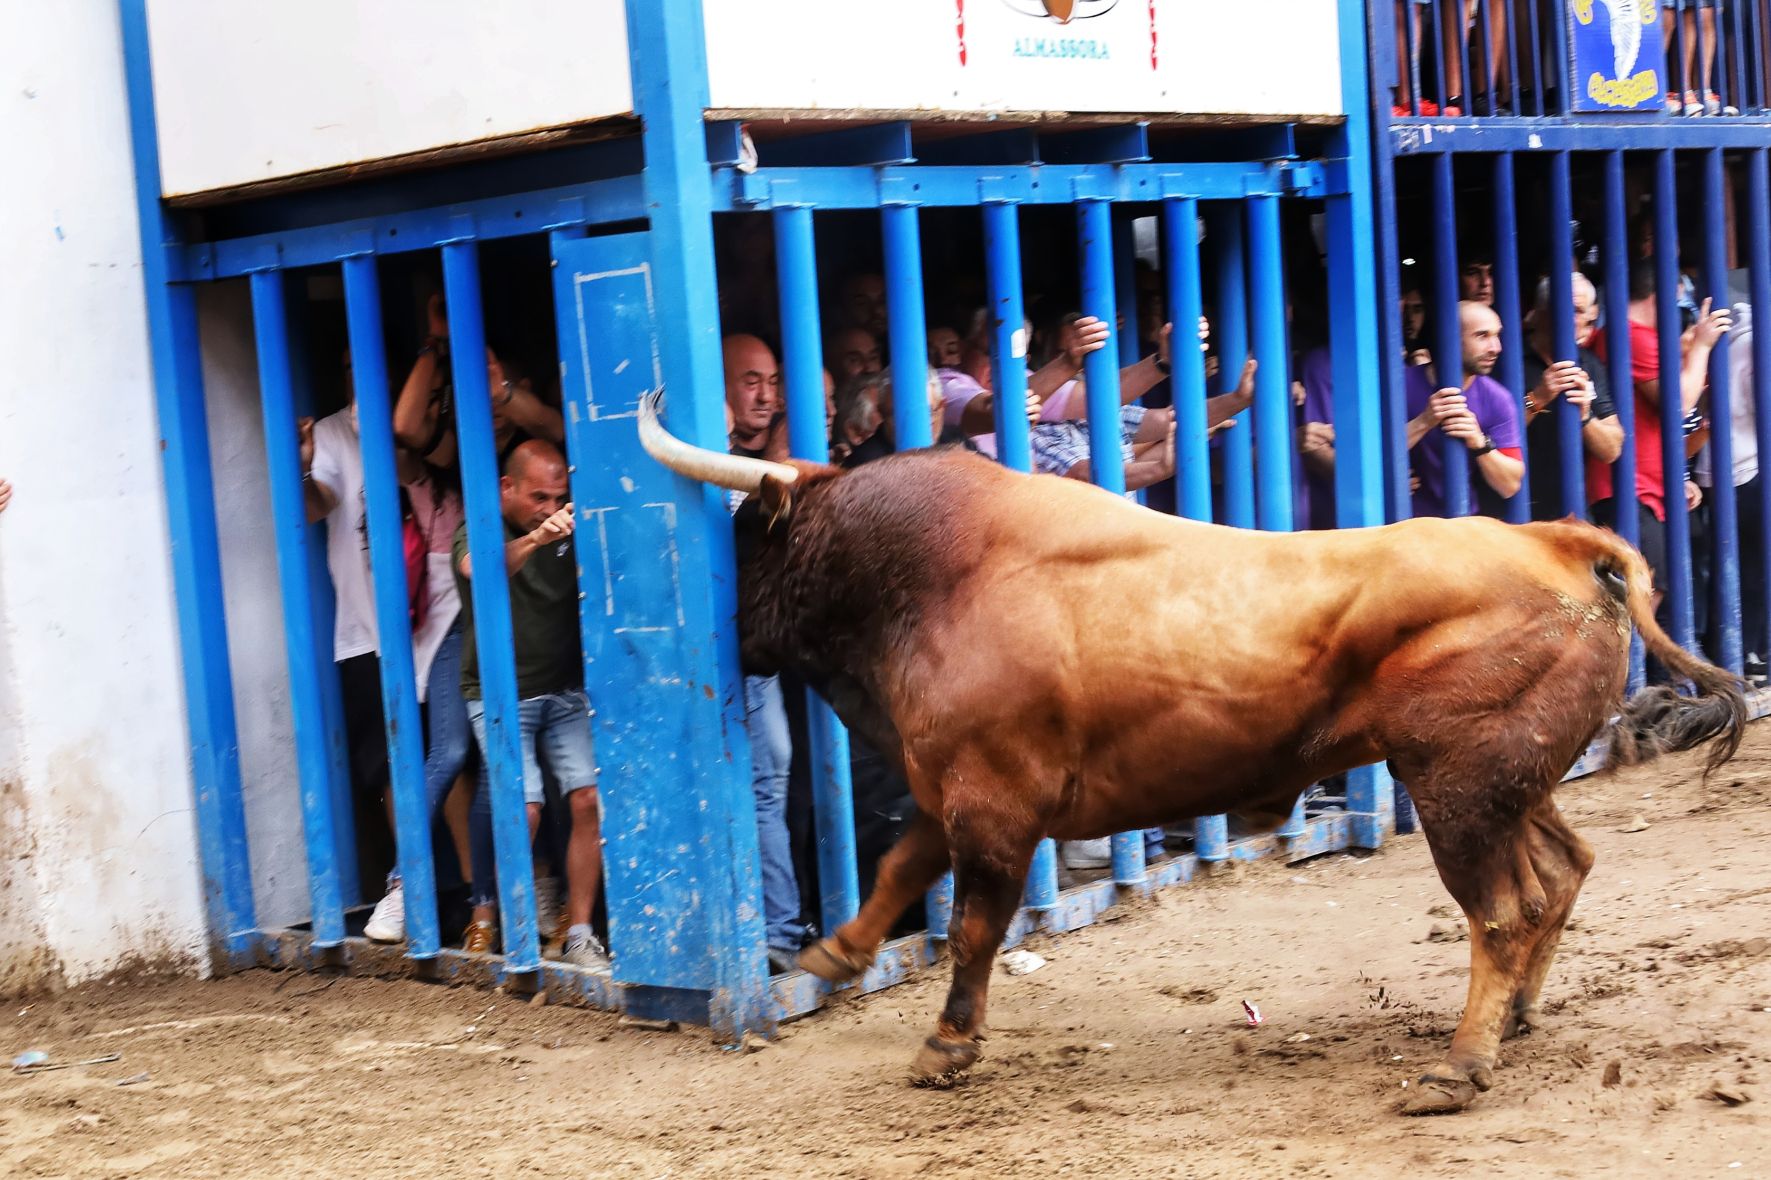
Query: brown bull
pixel 1051 660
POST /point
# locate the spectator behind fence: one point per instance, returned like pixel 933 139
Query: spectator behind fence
pixel 944 347
pixel 1651 477
pixel 853 351
pixel 1481 415
pixel 1582 380
pixel 1696 37
pixel 861 303
pixel 553 711
pixel 753 397
pixel 1750 515
pixel 1475 276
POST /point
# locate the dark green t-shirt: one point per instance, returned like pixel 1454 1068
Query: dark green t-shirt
pixel 543 621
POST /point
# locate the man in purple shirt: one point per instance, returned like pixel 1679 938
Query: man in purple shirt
pixel 1483 416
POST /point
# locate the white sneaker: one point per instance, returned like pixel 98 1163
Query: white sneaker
pixel 549 919
pixel 388 922
pixel 585 950
pixel 1087 854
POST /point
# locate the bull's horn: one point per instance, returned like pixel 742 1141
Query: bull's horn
pixel 738 472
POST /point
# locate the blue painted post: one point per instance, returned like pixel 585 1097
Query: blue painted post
pixel 190 506
pixel 1448 351
pixel 493 641
pixel 667 48
pixel 1725 535
pixel 1100 375
pixel 1758 179
pixel 833 798
pixel 1180 218
pixel 1570 447
pixel 939 907
pixel 1008 361
pixel 399 685
pixel 1511 370
pixel 1616 250
pixel 1125 278
pixel 294 535
pixel 1666 278
pixel 906 319
pixel 1230 330
pixel 1008 335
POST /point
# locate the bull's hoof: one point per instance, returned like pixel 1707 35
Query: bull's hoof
pixel 1433 1094
pixel 827 960
pixel 1521 1021
pixel 940 1064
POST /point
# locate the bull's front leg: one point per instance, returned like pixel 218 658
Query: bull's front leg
pixel 905 874
pixel 990 858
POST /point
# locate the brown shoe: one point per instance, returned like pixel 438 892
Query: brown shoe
pixel 479 938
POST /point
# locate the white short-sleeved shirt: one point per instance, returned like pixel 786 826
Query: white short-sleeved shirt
pixel 338 466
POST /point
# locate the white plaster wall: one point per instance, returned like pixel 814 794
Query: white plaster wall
pixel 99 860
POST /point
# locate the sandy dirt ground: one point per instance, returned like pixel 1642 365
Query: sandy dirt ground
pixel 1126 1055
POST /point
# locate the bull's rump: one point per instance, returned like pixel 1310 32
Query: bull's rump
pixel 1170 667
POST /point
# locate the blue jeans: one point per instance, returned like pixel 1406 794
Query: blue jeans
pixel 446 738
pixel 765 719
pixel 554 730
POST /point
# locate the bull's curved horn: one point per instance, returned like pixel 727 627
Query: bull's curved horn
pixel 738 472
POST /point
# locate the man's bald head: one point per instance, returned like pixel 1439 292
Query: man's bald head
pixel 1481 337
pixel 534 486
pixel 753 389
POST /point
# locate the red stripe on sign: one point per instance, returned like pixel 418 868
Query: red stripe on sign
pixel 961 28
pixel 1152 34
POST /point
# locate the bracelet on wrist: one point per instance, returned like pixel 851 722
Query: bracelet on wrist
pixel 1163 366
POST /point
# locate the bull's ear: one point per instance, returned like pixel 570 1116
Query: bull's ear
pixel 777 499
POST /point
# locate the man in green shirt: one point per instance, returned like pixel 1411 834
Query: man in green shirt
pixel 554 712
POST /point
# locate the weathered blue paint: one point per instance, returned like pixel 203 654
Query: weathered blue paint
pixel 1008 333
pixel 1041 889
pixel 399 686
pixel 1272 381
pixel 270 321
pixel 491 604
pixel 1724 521
pixel 190 509
pixel 833 798
pixel 1230 334
pixel 668 49
pixel 901 234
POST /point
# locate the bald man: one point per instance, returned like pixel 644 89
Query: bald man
pixel 553 711
pixel 1480 414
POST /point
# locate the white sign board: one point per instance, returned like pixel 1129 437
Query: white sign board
pixel 1259 57
pixel 259 90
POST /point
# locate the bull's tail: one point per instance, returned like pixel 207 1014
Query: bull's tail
pixel 1659 720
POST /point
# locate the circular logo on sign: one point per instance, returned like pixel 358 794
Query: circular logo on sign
pixel 1062 11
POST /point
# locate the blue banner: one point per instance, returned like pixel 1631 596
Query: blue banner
pixel 1617 55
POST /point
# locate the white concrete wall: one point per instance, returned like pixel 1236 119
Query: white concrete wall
pixel 98 854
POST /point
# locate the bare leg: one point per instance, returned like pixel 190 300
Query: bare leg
pixel 905 874
pixel 584 857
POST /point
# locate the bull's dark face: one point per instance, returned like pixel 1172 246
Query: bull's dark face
pixel 769 528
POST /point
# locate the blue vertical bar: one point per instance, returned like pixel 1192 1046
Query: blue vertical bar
pixel 1448 352
pixel 1360 261
pixel 387 559
pixel 1272 390
pixel 289 515
pixel 1539 84
pixel 1758 180
pixel 1571 449
pixel 1616 250
pixel 906 319
pixel 1482 30
pixel 938 906
pixel 668 56
pixel 1666 278
pixel 833 799
pixel 1180 240
pixel 1231 333
pixel 1725 533
pixel 1100 372
pixel 1511 371
pixel 1008 336
pixel 1438 39
pixel 1125 277
pixel 1008 358
pixel 490 587
pixel 190 510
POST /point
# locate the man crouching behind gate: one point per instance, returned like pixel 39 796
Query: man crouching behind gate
pixel 1478 658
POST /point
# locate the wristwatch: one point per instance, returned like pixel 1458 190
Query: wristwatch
pixel 1162 366
pixel 1487 445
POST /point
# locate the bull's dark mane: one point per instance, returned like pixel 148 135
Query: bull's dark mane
pixel 850 574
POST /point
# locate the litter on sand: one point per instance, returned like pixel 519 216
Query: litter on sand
pixel 1021 962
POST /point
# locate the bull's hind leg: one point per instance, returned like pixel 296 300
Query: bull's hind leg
pixel 1561 861
pixel 991 851
pixel 905 874
pixel 1479 837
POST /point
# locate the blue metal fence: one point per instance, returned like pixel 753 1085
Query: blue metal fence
pixel 637 308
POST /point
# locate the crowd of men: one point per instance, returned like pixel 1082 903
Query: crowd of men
pixel 1510 437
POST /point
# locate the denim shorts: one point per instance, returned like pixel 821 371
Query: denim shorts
pixel 555 733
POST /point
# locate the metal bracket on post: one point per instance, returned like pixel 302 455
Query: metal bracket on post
pixel 569 213
pixel 356 243
pixel 897 190
pixel 462 228
pixel 998 190
pixel 1091 186
pixel 755 189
